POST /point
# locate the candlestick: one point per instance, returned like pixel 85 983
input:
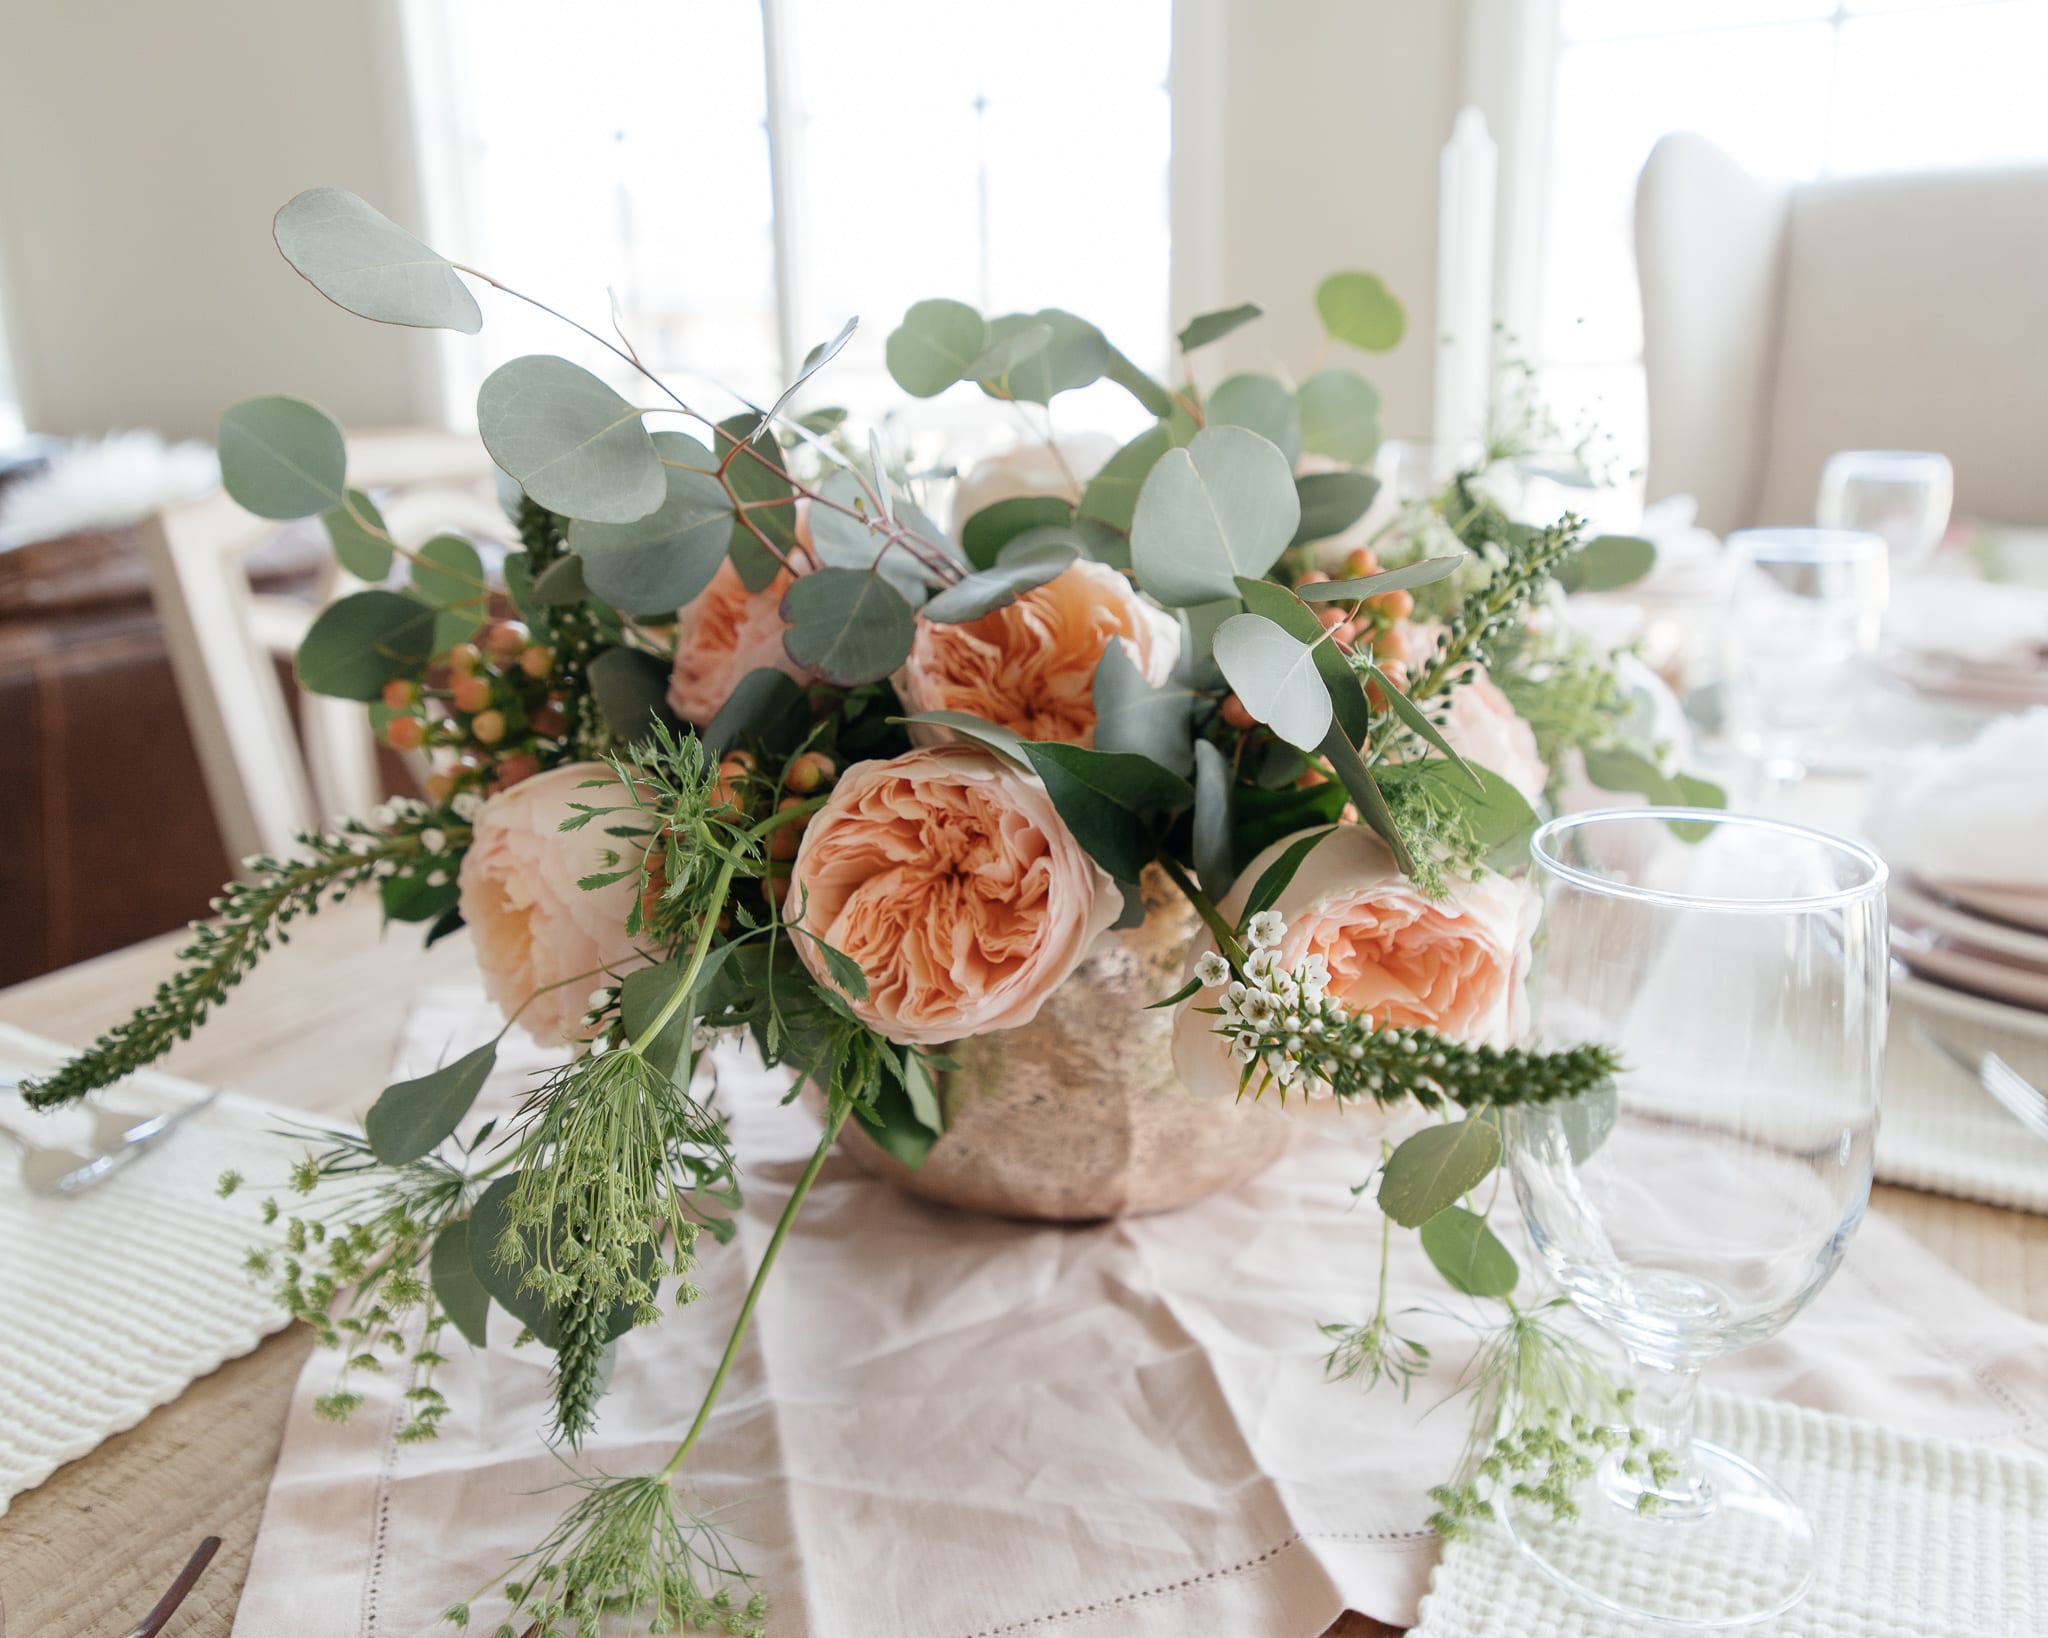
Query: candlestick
pixel 1464 294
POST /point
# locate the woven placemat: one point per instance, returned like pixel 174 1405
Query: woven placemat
pixel 111 1301
pixel 1921 1536
pixel 1943 1132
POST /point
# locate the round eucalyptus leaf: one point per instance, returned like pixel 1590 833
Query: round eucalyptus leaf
pixel 1275 675
pixel 359 643
pixel 449 574
pixel 1263 404
pixel 281 457
pixel 1469 1254
pixel 1432 1169
pixel 1075 355
pixel 575 446
pixel 1331 502
pixel 935 346
pixel 1340 415
pixel 1132 715
pixel 852 534
pixel 460 1293
pixel 1222 507
pixel 995 526
pixel 1360 309
pixel 1204 328
pixel 850 626
pixel 987 590
pixel 358 258
pixel 668 557
pixel 365 555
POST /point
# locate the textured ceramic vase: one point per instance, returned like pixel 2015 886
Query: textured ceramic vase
pixel 1079 1115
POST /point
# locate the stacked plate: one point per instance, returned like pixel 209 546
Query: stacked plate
pixel 1971 640
pixel 1974 950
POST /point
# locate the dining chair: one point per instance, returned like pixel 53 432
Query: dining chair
pixel 1783 322
pixel 267 782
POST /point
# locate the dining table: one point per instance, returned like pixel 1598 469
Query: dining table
pixel 316 1028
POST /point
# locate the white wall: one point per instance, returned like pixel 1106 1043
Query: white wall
pixel 144 145
pixel 1323 120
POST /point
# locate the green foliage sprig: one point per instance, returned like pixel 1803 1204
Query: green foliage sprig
pixel 423 845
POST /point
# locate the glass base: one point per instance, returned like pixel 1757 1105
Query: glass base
pixel 1727 1548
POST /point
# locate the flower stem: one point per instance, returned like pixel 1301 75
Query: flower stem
pixel 681 993
pixel 834 1119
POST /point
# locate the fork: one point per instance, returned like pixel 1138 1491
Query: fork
pixel 2017 1095
pixel 118 1139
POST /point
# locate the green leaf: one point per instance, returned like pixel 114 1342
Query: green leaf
pixel 1224 506
pixel 665 559
pixel 414 898
pixel 632 692
pixel 1414 719
pixel 456 1288
pixel 562 584
pixel 1275 675
pixel 843 969
pixel 1499 815
pixel 1432 1170
pixel 573 444
pixel 894 1125
pixel 1340 415
pixel 448 571
pixel 1469 1254
pixel 994 527
pixel 989 735
pixel 923 1091
pixel 360 642
pixel 1410 575
pixel 1607 562
pixel 1199 622
pixel 814 361
pixel 1112 494
pixel 489 1221
pixel 364 555
pixel 1194 985
pixel 358 258
pixel 1025 567
pixel 1109 800
pixel 412 1118
pixel 1139 385
pixel 934 346
pixel 766 705
pixel 1331 502
pixel 1215 866
pixel 281 457
pixel 1269 814
pixel 859 542
pixel 1076 355
pixel 1274 878
pixel 1358 308
pixel 1131 715
pixel 847 625
pixel 1287 611
pixel 1357 779
pixel 1204 328
pixel 1586 1120
pixel 646 990
pixel 757 476
pixel 1262 404
pixel 1018 343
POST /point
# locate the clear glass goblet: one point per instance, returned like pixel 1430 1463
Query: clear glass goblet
pixel 1739 966
pixel 1903 496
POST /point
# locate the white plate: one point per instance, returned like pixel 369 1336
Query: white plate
pixel 1973 1009
pixel 1925 908
pixel 1945 679
pixel 2015 906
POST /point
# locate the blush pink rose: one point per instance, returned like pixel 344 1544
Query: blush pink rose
pixel 728 631
pixel 1480 724
pixel 1030 667
pixel 531 925
pixel 1458 965
pixel 948 876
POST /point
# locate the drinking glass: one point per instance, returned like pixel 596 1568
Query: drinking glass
pixel 1698 1206
pixel 1902 496
pixel 1805 616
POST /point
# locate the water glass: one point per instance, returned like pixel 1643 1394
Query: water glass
pixel 1806 612
pixel 1902 496
pixel 1694 1209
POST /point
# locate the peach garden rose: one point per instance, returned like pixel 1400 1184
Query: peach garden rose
pixel 947 875
pixel 727 631
pixel 1030 667
pixel 1375 943
pixel 529 922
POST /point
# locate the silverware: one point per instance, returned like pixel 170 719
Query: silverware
pixel 118 1140
pixel 167 1606
pixel 2017 1095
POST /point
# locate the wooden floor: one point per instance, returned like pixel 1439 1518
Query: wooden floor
pixel 87 1552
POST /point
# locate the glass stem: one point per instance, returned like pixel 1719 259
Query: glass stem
pixel 1667 1480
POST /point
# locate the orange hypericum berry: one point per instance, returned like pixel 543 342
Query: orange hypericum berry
pixel 784 840
pixel 405 733
pixel 471 692
pixel 536 661
pixel 808 772
pixel 399 693
pixel 520 765
pixel 1394 605
pixel 487 727
pixel 439 788
pixel 733 772
pixel 464 658
pixel 505 638
pixel 1314 577
pixel 550 719
pixel 1329 615
pixel 1235 714
pixel 1310 778
pixel 1359 562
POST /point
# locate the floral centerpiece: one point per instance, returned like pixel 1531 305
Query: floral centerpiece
pixel 743 741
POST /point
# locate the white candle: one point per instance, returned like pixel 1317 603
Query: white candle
pixel 1464 294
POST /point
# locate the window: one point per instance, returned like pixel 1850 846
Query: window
pixel 745 174
pixel 1792 88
